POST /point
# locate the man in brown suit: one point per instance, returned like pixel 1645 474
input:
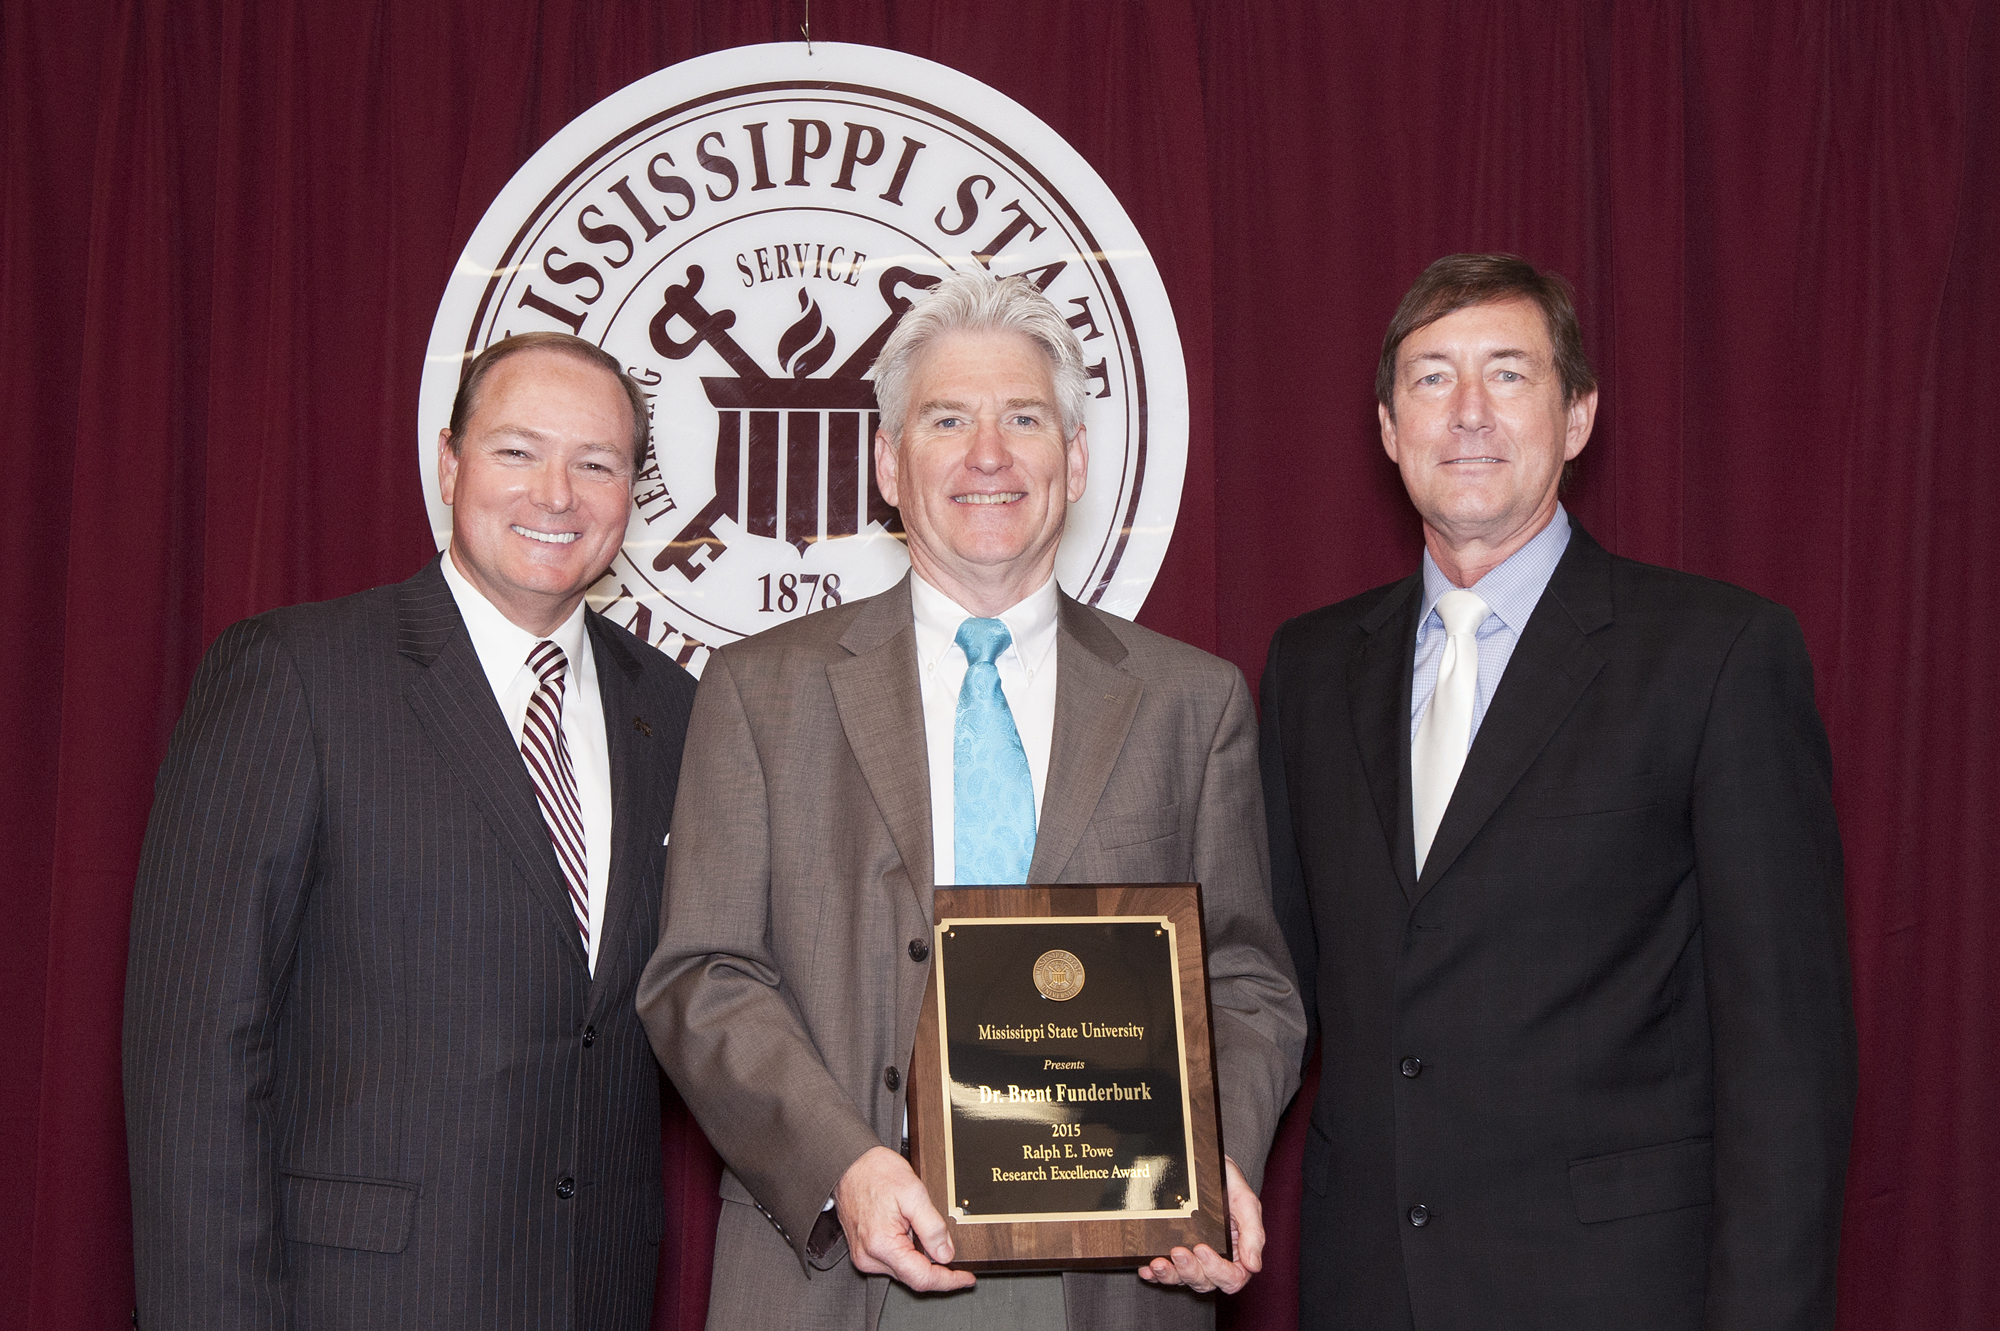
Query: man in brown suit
pixel 817 811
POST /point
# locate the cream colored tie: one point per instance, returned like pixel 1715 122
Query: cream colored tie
pixel 1445 733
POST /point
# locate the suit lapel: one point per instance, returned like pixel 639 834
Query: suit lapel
pixel 455 705
pixel 1550 668
pixel 1378 697
pixel 632 794
pixel 881 709
pixel 1095 704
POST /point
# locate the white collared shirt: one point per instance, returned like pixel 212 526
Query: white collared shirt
pixel 1027 677
pixel 503 648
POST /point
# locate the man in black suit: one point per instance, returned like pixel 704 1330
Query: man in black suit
pixel 382 1066
pixel 1554 846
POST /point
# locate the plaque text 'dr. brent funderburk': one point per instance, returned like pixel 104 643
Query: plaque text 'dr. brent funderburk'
pixel 1062 1050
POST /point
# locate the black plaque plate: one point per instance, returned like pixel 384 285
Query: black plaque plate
pixel 1063 1099
pixel 1072 1106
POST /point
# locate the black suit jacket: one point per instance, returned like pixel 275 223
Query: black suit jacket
pixel 369 1079
pixel 1596 1066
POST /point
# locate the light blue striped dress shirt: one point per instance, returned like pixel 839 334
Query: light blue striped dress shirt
pixel 1511 592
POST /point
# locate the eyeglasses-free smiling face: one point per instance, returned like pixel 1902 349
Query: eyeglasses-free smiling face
pixel 540 486
pixel 982 474
pixel 1480 431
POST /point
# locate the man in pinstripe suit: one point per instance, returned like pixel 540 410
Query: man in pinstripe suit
pixel 382 1067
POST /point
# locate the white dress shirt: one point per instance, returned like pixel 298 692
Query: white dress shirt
pixel 1027 677
pixel 503 648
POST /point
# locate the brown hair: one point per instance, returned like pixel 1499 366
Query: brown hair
pixel 482 365
pixel 1460 280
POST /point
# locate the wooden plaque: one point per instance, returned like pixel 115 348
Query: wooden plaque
pixel 1062 1091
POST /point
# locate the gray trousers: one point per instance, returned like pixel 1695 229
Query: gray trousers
pixel 1009 1302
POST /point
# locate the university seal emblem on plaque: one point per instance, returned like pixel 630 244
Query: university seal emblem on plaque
pixel 743 231
pixel 1058 975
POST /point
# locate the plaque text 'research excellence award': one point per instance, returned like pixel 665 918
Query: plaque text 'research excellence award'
pixel 1063 1108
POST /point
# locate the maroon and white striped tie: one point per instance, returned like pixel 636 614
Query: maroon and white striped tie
pixel 547 757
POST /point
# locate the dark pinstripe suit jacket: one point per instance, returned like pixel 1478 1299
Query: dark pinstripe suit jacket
pixel 369 1080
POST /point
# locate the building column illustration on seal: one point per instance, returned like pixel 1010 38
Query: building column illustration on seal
pixel 793 454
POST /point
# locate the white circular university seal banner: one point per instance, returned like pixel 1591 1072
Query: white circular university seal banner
pixel 743 231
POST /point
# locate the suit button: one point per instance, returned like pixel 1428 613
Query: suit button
pixel 565 1187
pixel 1420 1216
pixel 1412 1066
pixel 590 1038
pixel 891 1078
pixel 919 949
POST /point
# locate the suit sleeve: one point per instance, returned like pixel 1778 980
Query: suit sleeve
pixel 1253 1000
pixel 712 998
pixel 1288 880
pixel 1768 864
pixel 223 879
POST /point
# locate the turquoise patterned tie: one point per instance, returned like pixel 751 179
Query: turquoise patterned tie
pixel 993 798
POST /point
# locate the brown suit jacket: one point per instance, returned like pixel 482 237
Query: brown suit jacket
pixel 784 996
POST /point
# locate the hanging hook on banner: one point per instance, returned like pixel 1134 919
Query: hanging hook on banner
pixel 806 28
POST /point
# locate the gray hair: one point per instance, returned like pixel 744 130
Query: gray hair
pixel 976 302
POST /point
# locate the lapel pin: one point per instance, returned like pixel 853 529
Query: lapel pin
pixel 639 724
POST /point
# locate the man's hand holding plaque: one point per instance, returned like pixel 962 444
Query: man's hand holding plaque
pixel 1202 1268
pixel 892 1228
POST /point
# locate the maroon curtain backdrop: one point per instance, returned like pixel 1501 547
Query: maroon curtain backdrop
pixel 225 225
